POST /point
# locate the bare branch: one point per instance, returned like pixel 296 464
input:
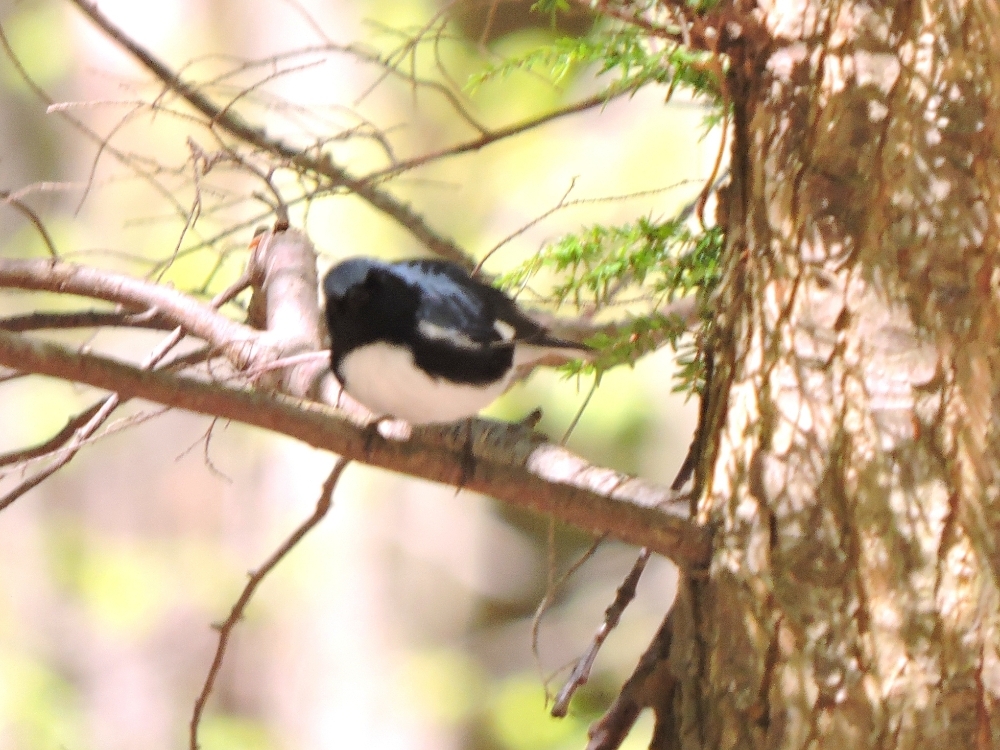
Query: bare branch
pixel 490 137
pixel 651 685
pixel 72 446
pixel 239 342
pixel 256 578
pixel 64 446
pixel 27 212
pixel 508 462
pixel 231 123
pixel 626 591
pixel 581 671
pixel 71 442
pixel 38 321
pixel 552 589
pixel 55 442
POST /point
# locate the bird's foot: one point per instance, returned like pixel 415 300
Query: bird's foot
pixel 468 457
pixel 385 428
pixel 370 432
pixel 459 439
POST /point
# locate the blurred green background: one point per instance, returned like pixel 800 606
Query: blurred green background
pixel 404 620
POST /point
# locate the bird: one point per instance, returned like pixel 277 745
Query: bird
pixel 423 341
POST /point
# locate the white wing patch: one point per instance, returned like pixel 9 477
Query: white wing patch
pixel 505 329
pixel 435 332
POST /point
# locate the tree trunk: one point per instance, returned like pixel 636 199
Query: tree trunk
pixel 851 474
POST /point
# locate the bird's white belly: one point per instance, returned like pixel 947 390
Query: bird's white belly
pixel 384 378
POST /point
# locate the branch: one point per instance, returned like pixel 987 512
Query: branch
pixel 37 321
pixel 492 136
pixel 230 122
pixel 651 685
pixel 612 615
pixel 512 466
pixel 284 261
pixel 64 446
pixel 256 578
pixel 53 443
pixel 31 216
pixel 240 343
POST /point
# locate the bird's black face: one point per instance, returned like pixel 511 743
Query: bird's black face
pixel 353 301
pixel 366 302
pixel 347 275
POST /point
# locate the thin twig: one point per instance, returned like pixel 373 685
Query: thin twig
pixel 626 592
pixel 53 443
pixel 652 684
pixel 521 230
pixel 65 445
pixel 309 19
pixel 555 585
pixel 493 136
pixel 200 320
pixel 66 451
pixel 230 122
pixel 256 578
pixel 30 215
pixel 205 441
pixel 715 180
pixel 76 440
pixel 612 615
pixel 565 203
pixel 201 355
pixel 579 412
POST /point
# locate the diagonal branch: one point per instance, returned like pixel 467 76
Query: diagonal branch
pixel 57 441
pixel 30 215
pixel 510 465
pixel 489 137
pixel 256 578
pixel 230 122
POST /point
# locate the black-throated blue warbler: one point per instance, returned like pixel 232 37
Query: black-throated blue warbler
pixel 423 341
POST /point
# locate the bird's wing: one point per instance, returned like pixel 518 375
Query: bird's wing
pixel 452 306
pixel 489 316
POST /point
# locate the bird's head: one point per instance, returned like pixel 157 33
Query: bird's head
pixel 349 278
pixel 365 299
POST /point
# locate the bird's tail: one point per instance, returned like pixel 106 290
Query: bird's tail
pixel 548 351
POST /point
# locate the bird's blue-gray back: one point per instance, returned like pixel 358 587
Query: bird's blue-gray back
pixel 446 301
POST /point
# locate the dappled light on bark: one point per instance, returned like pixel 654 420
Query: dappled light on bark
pixel 852 598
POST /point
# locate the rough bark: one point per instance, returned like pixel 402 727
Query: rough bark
pixel 852 478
